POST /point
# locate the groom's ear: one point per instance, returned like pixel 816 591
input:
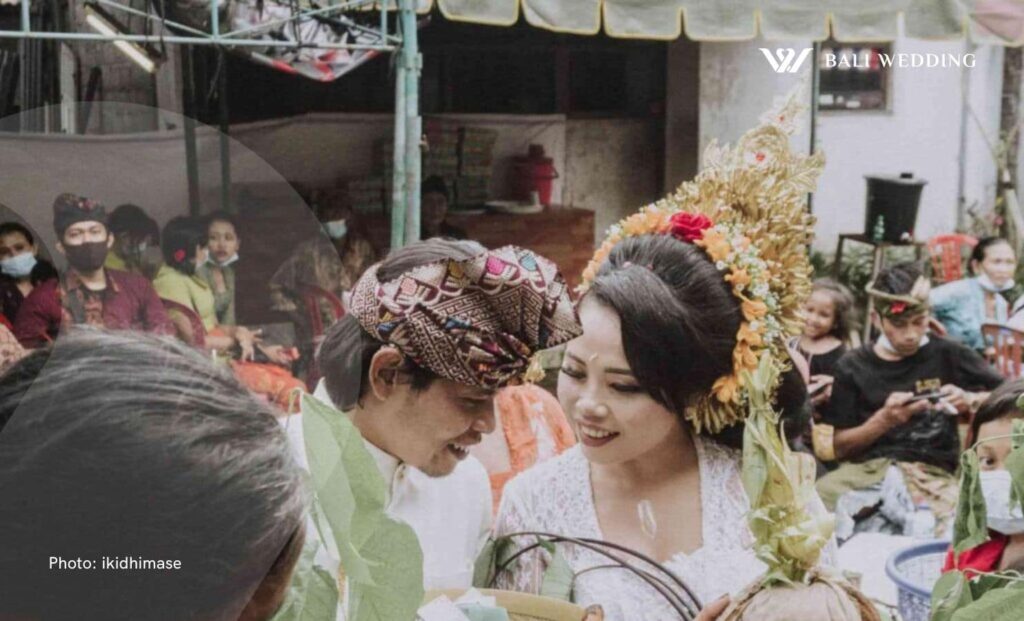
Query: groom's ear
pixel 386 367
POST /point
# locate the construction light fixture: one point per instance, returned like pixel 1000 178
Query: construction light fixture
pixel 105 23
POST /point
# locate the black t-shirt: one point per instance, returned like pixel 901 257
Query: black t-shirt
pixel 823 364
pixel 863 382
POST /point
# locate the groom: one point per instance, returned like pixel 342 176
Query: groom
pixel 432 332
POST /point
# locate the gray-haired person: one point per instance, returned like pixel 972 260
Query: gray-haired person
pixel 139 481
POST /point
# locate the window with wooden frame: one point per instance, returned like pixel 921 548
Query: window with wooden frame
pixel 853 76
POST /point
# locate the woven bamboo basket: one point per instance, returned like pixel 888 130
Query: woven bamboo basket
pixel 521 606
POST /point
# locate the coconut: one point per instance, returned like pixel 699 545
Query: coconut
pixel 825 598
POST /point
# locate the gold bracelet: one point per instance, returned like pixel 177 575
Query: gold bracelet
pixel 823 441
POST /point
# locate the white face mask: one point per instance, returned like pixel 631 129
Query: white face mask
pixel 18 266
pixel 226 262
pixel 995 487
pixel 884 342
pixel 336 229
pixel 987 284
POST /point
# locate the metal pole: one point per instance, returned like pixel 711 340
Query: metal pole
pixel 179 40
pixel 815 91
pixel 26 21
pixel 398 203
pixel 413 122
pixel 188 107
pixel 225 144
pixel 214 21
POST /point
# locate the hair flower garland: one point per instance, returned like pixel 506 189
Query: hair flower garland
pixel 747 211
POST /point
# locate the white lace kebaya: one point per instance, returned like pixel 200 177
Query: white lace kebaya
pixel 556 497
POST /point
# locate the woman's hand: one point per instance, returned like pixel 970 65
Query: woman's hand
pixel 246 342
pixel 277 354
pixel 713 610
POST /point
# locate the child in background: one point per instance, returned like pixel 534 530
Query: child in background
pixel 994 423
pixel 829 321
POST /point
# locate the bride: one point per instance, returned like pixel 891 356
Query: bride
pixel 678 304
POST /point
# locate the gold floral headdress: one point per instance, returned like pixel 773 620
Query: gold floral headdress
pixel 747 210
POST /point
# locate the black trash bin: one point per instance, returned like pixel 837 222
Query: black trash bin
pixel 893 201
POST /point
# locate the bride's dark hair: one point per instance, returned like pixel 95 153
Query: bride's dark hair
pixel 679 322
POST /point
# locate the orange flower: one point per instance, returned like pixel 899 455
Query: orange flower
pixel 754 310
pixel 726 388
pixel 749 336
pixel 743 357
pixel 715 244
pixel 643 223
pixel 738 277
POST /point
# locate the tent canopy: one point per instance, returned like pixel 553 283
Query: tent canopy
pixel 984 21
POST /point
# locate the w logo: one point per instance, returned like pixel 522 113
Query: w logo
pixel 786 60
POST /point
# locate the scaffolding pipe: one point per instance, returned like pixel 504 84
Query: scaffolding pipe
pixel 225 144
pixel 413 122
pixel 188 108
pixel 177 40
pixel 398 161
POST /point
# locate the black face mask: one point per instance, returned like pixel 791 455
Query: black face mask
pixel 87 256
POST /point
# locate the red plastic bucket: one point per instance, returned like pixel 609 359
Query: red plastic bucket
pixel 533 172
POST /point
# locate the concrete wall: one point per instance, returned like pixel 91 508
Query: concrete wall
pixel 613 166
pixel 682 111
pixel 921 133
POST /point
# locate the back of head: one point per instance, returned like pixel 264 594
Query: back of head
pixel 345 354
pixel 679 319
pixel 134 221
pixel 899 279
pixel 679 323
pixel 435 184
pixel 1001 403
pixel 180 238
pixel 124 445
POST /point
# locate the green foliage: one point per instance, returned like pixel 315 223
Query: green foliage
pixel 495 554
pixel 558 575
pixel 312 594
pixel 780 485
pixel 970 528
pixel 380 556
pixel 996 605
pixel 950 593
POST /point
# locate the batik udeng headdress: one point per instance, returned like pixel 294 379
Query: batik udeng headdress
pixel 747 210
pixel 477 321
pixel 895 306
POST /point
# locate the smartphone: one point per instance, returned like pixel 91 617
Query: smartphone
pixel 934 397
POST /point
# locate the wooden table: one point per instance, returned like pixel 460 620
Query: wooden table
pixel 563 234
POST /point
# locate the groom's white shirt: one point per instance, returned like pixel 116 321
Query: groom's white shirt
pixel 451 515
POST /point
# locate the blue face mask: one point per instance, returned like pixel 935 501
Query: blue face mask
pixel 987 284
pixel 18 266
pixel 336 229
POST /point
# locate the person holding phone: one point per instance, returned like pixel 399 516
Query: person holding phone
pixel 898 400
pixel 829 313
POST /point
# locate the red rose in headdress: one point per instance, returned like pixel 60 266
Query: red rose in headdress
pixel 897 308
pixel 179 255
pixel 689 227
